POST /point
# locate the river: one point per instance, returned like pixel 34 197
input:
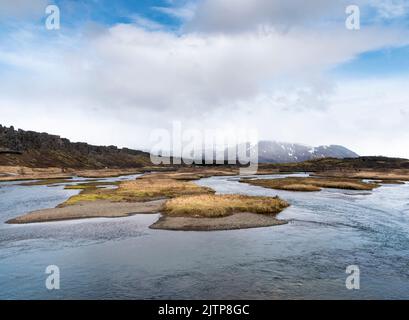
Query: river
pixel 122 258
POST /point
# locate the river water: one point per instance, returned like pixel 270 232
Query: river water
pixel 122 258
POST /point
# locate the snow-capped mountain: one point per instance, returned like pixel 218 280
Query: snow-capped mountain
pixel 272 151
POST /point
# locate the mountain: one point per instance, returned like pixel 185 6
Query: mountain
pixel 278 152
pixel 34 149
pixel 275 152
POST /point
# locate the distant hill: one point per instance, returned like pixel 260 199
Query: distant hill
pixel 33 149
pixel 281 152
pixel 278 152
pixel 349 164
pixel 273 152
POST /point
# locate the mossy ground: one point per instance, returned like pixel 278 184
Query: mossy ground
pixel 91 185
pixel 46 182
pixel 150 187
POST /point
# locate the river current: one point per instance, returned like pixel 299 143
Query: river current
pixel 122 258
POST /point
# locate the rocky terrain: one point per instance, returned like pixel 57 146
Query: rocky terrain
pixel 42 150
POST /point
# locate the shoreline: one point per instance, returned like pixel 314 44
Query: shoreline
pixel 44 176
pixel 172 195
pixel 106 209
pixel 87 210
pixel 235 221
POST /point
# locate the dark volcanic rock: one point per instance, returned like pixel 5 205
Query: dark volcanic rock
pixel 43 150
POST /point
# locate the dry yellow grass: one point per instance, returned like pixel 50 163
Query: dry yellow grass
pixel 211 206
pixel 151 187
pixel 46 182
pixel 91 185
pixel 384 175
pixel 16 173
pixel 388 182
pixel 105 173
pixel 191 174
pixel 311 184
pixel 147 188
pixel 300 187
pixel 11 173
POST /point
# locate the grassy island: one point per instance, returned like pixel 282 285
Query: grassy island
pixel 148 188
pixel 211 206
pixel 220 212
pixel 309 184
pixel 184 204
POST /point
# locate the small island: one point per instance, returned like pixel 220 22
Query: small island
pixel 170 190
pixel 220 212
pixel 183 204
pixel 308 184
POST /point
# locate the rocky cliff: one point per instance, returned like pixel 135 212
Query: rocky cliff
pixel 34 149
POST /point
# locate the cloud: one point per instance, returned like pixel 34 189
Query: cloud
pixel 185 12
pixel 391 9
pixel 113 85
pixel 147 24
pixel 129 67
pixel 242 15
pixel 14 9
pixel 231 16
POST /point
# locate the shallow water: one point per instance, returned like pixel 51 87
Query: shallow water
pixel 123 258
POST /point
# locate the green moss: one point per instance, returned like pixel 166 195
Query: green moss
pixel 91 185
pixel 143 189
pixel 83 197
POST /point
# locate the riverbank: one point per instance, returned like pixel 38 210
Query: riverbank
pixel 106 209
pixel 94 209
pixel 308 184
pixel 184 205
pixel 294 260
pixel 241 220
pixel 17 173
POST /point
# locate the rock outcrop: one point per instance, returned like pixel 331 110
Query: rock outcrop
pixel 34 149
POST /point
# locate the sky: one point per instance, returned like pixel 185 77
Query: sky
pixel 116 71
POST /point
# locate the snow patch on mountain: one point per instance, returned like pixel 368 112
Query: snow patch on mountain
pixel 276 152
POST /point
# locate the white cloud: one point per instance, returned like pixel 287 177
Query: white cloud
pixel 113 86
pixel 128 67
pixel 22 8
pixel 390 9
pixel 241 15
pixel 369 116
pixel 185 12
pixel 147 24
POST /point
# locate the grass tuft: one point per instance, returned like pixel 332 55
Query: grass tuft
pixel 212 206
pixel 311 184
pixel 150 187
